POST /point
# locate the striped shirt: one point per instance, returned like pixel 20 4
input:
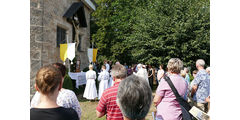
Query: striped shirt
pixel 107 103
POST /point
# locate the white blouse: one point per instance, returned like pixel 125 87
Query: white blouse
pixel 91 74
pixel 104 75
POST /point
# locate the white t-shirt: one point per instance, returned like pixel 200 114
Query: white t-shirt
pixel 160 74
pixel 104 75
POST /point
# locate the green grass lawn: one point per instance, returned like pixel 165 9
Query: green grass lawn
pixel 89 109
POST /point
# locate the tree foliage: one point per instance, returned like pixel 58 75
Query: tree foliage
pixel 152 31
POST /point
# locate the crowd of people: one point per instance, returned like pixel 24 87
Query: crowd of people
pixel 124 93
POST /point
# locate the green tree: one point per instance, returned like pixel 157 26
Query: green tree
pixel 114 21
pixel 153 31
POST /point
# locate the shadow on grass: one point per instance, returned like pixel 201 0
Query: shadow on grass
pixel 86 100
pixel 89 108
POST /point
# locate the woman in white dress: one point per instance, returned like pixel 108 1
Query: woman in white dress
pixel 142 72
pixel 90 91
pixel 103 78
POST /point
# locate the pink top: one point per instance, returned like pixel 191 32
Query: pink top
pixel 169 108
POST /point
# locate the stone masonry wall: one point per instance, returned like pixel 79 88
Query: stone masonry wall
pixel 36 30
pixel 45 16
pixel 85 42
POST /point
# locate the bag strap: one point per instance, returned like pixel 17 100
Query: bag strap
pixel 172 86
pixel 180 100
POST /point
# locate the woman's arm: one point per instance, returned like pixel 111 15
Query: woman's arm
pixel 194 89
pixel 76 105
pixel 157 99
pixel 87 76
pixel 158 75
pixel 151 73
pixel 100 114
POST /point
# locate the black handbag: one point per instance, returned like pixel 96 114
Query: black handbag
pixel 183 103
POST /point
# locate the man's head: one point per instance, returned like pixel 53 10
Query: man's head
pixel 134 97
pixel 200 64
pixel 118 72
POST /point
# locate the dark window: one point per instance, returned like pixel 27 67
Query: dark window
pixel 61 36
pixel 79 45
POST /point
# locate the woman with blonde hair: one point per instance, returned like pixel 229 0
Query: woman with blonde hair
pixel 90 91
pixel 167 106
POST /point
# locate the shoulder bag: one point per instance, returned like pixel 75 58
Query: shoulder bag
pixel 183 103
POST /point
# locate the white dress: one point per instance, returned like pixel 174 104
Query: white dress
pixel 104 77
pixel 90 91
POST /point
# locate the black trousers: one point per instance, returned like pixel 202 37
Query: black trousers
pixel 151 82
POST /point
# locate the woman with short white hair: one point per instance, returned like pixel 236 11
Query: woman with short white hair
pixel 90 91
pixel 134 98
pixel 142 72
pixel 167 106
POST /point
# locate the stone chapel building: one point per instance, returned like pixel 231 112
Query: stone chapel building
pixel 54 22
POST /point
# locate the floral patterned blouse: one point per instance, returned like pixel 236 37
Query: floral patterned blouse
pixel 66 98
pixel 202 80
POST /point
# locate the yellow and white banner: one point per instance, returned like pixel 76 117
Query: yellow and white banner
pixel 92 54
pixel 67 51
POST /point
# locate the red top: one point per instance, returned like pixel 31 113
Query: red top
pixel 107 103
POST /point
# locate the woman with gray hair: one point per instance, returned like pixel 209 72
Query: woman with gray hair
pixel 134 98
pixel 167 106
